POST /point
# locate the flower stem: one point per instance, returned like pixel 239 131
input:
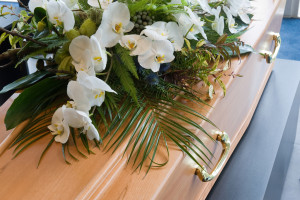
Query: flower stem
pixel 208 20
pixel 189 30
pixel 109 70
pixel 14 33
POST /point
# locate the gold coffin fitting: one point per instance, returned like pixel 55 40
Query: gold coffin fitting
pixel 269 56
pixel 202 172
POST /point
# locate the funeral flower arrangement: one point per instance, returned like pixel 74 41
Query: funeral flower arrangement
pixel 109 70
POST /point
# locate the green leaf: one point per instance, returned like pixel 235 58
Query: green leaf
pixel 40 14
pixel 33 99
pixel 244 49
pixel 25 81
pixel 83 4
pixel 127 60
pixel 125 79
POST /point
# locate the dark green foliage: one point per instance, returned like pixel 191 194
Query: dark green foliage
pixel 33 100
pixel 25 81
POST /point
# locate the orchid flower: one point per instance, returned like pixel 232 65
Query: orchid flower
pixel 190 24
pixel 59 126
pixel 94 88
pixel 78 119
pixel 161 52
pixel 71 3
pixel 137 44
pixel 115 22
pixel 60 14
pixel 103 3
pixel 32 4
pixel 165 31
pixel 80 101
pixel 240 8
pixel 87 54
pixel 204 5
pixel 218 24
pixel 230 20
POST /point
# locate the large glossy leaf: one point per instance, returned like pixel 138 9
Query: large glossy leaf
pixel 25 81
pixel 33 100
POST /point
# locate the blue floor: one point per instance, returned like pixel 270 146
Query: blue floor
pixel 290 35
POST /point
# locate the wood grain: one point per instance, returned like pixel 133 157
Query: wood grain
pixel 107 176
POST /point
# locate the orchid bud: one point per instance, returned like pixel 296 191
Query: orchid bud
pixel 88 28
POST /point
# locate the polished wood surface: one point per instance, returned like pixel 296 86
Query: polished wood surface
pixel 107 176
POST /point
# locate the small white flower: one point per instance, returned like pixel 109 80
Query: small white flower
pixel 230 20
pixel 60 14
pixel 204 5
pixel 137 44
pixel 161 52
pixel 165 31
pixel 59 126
pixel 76 92
pixel 87 54
pixel 71 3
pixel 240 8
pixel 78 119
pixel 32 4
pixel 115 22
pixel 104 3
pixel 94 88
pixel 218 24
pixel 190 24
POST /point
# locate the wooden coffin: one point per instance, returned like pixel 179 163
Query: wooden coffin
pixel 107 176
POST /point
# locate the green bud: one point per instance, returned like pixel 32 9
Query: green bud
pixel 88 28
pixel 71 34
pixel 41 26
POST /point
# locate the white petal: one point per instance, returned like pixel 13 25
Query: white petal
pixel 92 132
pixel 129 27
pixel 108 38
pixel 175 35
pixel 93 3
pixel 32 4
pixel 147 61
pixel 76 92
pixel 97 52
pixel 118 13
pixel 75 119
pixel 57 116
pixel 164 48
pixel 78 46
pixel 63 138
pixel 244 17
pixel 143 45
pixel 68 19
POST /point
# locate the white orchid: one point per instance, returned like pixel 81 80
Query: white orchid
pixel 115 22
pixel 32 4
pixel 94 88
pixel 59 126
pixel 161 52
pixel 78 119
pixel 240 8
pixel 230 20
pixel 204 5
pixel 165 31
pixel 71 3
pixel 190 24
pixel 137 44
pixel 60 14
pixel 218 24
pixel 103 3
pixel 87 54
pixel 80 101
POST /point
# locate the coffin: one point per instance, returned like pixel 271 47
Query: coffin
pixel 107 176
